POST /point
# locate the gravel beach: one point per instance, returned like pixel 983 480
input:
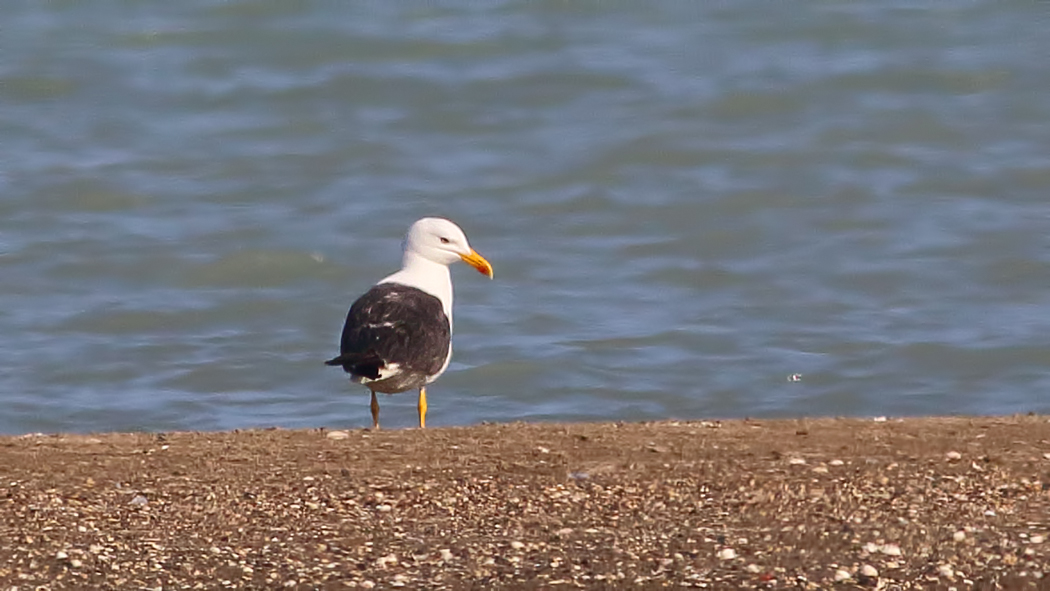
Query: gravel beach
pixel 924 503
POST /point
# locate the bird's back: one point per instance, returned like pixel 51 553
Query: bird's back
pixel 396 337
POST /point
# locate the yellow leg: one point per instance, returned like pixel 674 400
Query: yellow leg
pixel 375 411
pixel 423 408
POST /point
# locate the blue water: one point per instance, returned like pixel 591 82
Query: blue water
pixel 686 205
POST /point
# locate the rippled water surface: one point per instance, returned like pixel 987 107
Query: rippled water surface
pixel 686 205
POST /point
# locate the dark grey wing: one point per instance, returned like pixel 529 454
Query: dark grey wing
pixel 393 323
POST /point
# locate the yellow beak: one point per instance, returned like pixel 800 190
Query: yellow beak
pixel 478 262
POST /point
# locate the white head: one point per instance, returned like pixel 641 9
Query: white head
pixel 443 242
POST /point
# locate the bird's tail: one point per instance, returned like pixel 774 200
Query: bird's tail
pixel 361 364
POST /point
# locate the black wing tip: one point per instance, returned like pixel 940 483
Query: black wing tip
pixel 367 365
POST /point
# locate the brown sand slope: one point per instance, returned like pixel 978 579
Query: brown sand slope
pixel 920 503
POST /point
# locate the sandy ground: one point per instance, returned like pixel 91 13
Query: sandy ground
pixel 933 503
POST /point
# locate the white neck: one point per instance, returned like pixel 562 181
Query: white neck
pixel 423 273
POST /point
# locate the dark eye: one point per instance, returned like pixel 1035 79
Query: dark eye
pixel 445 240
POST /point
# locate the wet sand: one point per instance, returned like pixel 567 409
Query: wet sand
pixel 929 503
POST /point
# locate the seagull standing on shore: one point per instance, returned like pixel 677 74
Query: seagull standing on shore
pixel 398 335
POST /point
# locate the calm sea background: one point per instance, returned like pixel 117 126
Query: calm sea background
pixel 686 204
